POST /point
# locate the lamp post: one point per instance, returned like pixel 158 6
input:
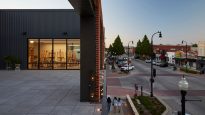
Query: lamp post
pixel 186 54
pixel 183 86
pixel 128 55
pixel 152 79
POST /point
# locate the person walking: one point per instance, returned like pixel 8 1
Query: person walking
pixel 115 104
pixel 119 104
pixel 108 103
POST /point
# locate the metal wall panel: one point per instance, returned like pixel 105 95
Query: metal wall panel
pixel 37 23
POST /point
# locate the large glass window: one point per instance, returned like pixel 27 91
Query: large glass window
pixel 73 54
pixel 46 54
pixel 54 54
pixel 33 54
pixel 59 58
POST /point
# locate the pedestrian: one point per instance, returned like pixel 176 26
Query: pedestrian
pixel 108 103
pixel 119 104
pixel 114 103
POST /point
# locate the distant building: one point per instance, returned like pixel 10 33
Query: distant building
pixel 201 49
pixel 201 55
pixel 176 54
pixel 131 50
pixel 170 48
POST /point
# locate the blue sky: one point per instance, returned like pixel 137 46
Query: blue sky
pixel 132 19
pixel 177 19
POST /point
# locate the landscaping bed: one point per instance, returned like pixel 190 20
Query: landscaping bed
pixel 146 105
pixel 189 70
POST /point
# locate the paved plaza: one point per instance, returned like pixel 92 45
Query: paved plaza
pixel 43 92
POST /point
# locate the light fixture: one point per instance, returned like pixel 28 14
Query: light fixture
pixel 32 42
pixel 98 109
pixel 183 84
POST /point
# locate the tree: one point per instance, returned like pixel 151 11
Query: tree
pixel 118 47
pixel 110 49
pixel 138 48
pixel 146 46
pixel 194 45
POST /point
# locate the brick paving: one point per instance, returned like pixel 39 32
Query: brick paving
pixel 119 91
pixel 113 82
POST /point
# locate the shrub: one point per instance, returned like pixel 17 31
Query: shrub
pixel 189 70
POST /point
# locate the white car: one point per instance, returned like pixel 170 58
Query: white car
pixel 125 67
pixel 148 60
pixel 158 63
pixel 154 62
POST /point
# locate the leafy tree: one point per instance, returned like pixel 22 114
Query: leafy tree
pixel 118 47
pixel 194 45
pixel 110 48
pixel 138 48
pixel 146 46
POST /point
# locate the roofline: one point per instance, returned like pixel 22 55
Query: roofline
pixel 34 10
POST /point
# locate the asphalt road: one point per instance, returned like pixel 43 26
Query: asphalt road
pixel 166 86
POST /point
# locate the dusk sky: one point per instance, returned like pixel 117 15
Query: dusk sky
pixel 132 19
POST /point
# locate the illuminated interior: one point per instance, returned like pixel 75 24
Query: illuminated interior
pixel 54 54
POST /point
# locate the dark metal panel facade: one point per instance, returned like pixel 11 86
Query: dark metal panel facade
pixel 38 23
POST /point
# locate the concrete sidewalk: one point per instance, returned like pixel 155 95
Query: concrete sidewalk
pixel 43 92
pixel 125 109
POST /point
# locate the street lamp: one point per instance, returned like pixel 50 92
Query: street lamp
pixel 183 86
pixel 186 54
pixel 152 56
pixel 128 54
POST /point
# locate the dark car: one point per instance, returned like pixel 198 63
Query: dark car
pixel 202 71
pixel 165 64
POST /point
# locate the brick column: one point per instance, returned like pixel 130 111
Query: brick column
pixel 98 35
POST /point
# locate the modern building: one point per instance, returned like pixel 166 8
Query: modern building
pixel 58 39
pixel 40 38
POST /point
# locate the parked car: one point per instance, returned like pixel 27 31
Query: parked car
pixel 158 63
pixel 165 64
pixel 148 60
pixel 122 63
pixel 125 67
pixel 202 71
pixel 154 62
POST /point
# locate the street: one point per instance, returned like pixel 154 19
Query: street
pixel 165 86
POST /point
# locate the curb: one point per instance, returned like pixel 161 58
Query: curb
pixel 168 109
pixel 132 105
pixel 166 112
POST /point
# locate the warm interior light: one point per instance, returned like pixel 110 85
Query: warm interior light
pixel 98 109
pixel 31 42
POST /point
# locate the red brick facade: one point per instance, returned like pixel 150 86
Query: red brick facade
pixel 171 48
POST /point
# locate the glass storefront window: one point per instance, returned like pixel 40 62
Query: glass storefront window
pixel 46 54
pixel 33 54
pixel 73 54
pixel 59 57
pixel 54 54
